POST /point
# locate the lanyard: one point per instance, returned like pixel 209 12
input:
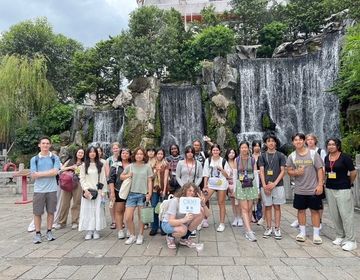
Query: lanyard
pixel 243 170
pixel 270 164
pixel 189 169
pixel 332 162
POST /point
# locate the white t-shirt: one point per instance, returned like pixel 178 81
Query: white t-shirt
pixel 216 179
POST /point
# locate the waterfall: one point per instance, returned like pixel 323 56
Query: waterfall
pixel 181 115
pixel 293 92
pixel 108 128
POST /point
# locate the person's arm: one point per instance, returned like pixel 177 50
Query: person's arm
pixel 126 173
pixel 107 169
pixel 199 172
pixel 166 180
pixel 353 175
pixel 262 176
pixel 49 173
pixel 224 171
pixel 178 173
pixel 149 183
pixel 320 186
pixel 66 166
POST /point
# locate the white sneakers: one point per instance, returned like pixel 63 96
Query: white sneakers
pixel 349 246
pixel 139 239
pixel 221 227
pixel 133 239
pixel 267 233
pixel 295 224
pixel 317 240
pixel 121 234
pixel 238 222
pixel 89 235
pixel 96 235
pixel 300 237
pixel 338 241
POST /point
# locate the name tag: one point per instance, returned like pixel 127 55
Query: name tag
pixel 332 175
pixel 241 177
pixel 269 173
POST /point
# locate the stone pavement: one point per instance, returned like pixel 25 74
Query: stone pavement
pixel 226 255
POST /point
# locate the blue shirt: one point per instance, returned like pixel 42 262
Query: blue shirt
pixel 45 163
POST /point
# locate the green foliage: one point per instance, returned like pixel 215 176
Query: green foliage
pixel 266 122
pixel 27 138
pixel 55 139
pixel 270 36
pixel 57 119
pixel 209 17
pixel 130 112
pixel 232 115
pixel 351 144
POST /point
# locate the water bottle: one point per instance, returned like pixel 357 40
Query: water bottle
pixel 103 201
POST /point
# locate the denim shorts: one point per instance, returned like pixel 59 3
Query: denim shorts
pixel 135 199
pixel 166 227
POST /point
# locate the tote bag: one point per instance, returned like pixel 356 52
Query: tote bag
pixel 147 214
pixel 125 187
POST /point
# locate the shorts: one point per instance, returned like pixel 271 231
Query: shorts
pixel 277 196
pixel 40 200
pixel 167 228
pixel 302 202
pixel 117 197
pixel 135 199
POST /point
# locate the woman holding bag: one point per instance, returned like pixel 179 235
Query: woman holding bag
pixel 141 189
pixel 94 186
pixel 115 185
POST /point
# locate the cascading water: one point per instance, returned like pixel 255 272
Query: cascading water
pixel 108 128
pixel 181 115
pixel 293 92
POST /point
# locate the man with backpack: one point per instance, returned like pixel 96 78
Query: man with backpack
pixel 306 167
pixel 44 168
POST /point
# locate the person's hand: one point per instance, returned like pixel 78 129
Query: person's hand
pixel 188 217
pixel 300 170
pixel 112 195
pixel 270 186
pixel 319 189
pixel 35 175
pixel 148 197
pixel 162 194
pixel 202 198
pixel 130 174
pixel 87 194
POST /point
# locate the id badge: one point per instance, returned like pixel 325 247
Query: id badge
pixel 332 175
pixel 241 177
pixel 269 173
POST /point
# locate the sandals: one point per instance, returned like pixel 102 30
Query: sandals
pixel 113 226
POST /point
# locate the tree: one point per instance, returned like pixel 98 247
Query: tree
pixel 270 36
pixel 25 92
pixel 209 17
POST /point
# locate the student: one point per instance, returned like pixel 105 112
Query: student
pixel 44 167
pixel 272 170
pixel 173 160
pixel 189 170
pixel 216 171
pixel 306 167
pixel 72 165
pixel 340 177
pixel 115 185
pixel 92 177
pixel 257 212
pixel 141 190
pixel 178 225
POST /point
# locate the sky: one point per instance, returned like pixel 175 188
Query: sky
pixel 87 21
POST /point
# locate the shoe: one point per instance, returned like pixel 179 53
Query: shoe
pixel 31 227
pixel 338 241
pixel 89 235
pixel 50 236
pixel 130 240
pixel 96 235
pixel 267 233
pixel 317 240
pixel 187 242
pixel 74 226
pixel 250 235
pixel 235 222
pixel 261 222
pixel 240 222
pixel 277 233
pixel 220 228
pixel 295 224
pixel 37 238
pixel 146 226
pixel 113 226
pixel 170 242
pixel 127 233
pixel 320 226
pixel 163 233
pixel 193 234
pixel 121 234
pixel 58 226
pixel 349 246
pixel 153 232
pixel 300 237
pixel 139 239
pixel 205 223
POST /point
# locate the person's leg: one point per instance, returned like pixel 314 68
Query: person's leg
pixel 38 209
pixel 50 202
pixel 64 207
pixel 154 201
pixel 140 223
pixel 346 208
pixel 334 209
pixel 221 196
pixel 234 210
pixel 301 215
pixel 117 215
pixel 195 222
pixel 76 203
pixel 245 214
pixel 268 215
pixel 37 222
pixel 277 210
pixel 315 218
pixel 129 218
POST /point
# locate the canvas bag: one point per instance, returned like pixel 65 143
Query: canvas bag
pixel 147 214
pixel 125 187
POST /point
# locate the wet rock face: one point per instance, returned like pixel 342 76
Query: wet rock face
pixel 353 116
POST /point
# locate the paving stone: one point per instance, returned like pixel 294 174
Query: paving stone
pixel 334 273
pixel 160 272
pixel 296 253
pixel 230 249
pixel 317 252
pixel 163 261
pixel 39 253
pixel 90 261
pixel 58 253
pixel 260 272
pixel 284 273
pixel 38 272
pixel 210 273
pixel 254 261
pixel 135 260
pixel 153 248
pixel 113 272
pixel 210 261
pixel 16 270
pixel 354 271
pixel 86 272
pixel 117 250
pixel 307 272
pixel 63 272
pixel 300 262
pixel 185 273
pixel 232 272
pixel 135 250
pixel 137 272
pixel 351 261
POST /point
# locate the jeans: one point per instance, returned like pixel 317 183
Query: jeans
pixel 155 198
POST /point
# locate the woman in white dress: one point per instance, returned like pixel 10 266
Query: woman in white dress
pixel 92 211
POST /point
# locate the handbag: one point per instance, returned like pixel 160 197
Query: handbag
pixel 147 214
pixel 157 207
pixel 125 187
pixel 93 192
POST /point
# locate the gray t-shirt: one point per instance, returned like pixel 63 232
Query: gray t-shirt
pixel 306 183
pixel 140 176
pixel 187 174
pixel 172 210
pixel 272 163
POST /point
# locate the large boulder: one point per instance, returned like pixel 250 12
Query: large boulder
pixel 65 138
pixel 123 99
pixel 247 51
pixel 139 85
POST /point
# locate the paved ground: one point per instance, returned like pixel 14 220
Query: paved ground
pixel 226 255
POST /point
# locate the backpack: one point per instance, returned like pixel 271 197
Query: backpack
pixel 164 206
pixel 312 155
pixel 68 181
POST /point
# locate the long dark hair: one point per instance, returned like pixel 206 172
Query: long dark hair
pixel 337 142
pixel 98 163
pixel 125 150
pixel 228 151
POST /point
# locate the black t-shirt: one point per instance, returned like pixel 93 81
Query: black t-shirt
pixel 114 177
pixel 341 167
pixel 272 162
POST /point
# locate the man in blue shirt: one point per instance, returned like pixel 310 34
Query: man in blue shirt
pixel 44 167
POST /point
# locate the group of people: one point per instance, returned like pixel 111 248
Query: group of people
pixel 251 175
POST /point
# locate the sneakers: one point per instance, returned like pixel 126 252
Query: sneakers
pixel 96 235
pixel 295 224
pixel 89 235
pixel 221 227
pixel 146 226
pixel 50 236
pixel 277 233
pixel 267 233
pixel 338 241
pixel 205 223
pixel 240 222
pixel 235 222
pixel 170 242
pixel 300 237
pixel 317 240
pixel 153 232
pixel 74 226
pixel 260 222
pixel 121 234
pixel 193 234
pixel 250 235
pixel 130 240
pixel 58 226
pixel 37 238
pixel 31 227
pixel 187 242
pixel 139 239
pixel 349 246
